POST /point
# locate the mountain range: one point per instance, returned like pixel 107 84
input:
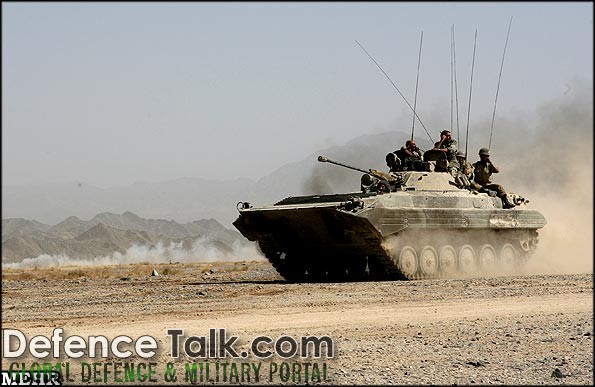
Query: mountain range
pixel 186 199
pixel 106 234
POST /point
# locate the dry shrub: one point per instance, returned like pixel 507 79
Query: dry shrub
pixel 76 273
pixel 170 271
pixel 119 271
pixel 239 266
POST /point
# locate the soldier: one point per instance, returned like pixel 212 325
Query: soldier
pixel 410 156
pixel 449 147
pixel 393 162
pixel 464 167
pixel 482 177
pixel 464 174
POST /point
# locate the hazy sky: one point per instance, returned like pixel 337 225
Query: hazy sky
pixel 113 93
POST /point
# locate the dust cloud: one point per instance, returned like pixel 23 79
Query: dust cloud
pixel 200 251
pixel 552 165
pixel 544 155
pixel 394 243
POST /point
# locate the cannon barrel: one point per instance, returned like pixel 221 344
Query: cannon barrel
pixel 323 159
pixel 374 173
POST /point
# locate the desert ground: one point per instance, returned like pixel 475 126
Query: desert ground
pixel 534 329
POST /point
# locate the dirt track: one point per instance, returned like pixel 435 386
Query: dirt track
pixel 510 330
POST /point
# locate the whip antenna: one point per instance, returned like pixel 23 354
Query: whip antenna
pixel 498 88
pixel 470 90
pixel 396 88
pixel 454 57
pixel 451 82
pixel 416 83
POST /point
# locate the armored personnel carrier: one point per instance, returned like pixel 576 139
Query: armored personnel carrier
pixel 406 225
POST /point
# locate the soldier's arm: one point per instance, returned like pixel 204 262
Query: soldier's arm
pixel 407 151
pixel 493 168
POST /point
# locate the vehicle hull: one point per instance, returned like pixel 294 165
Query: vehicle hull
pixel 359 236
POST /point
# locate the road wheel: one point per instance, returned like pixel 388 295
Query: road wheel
pixel 448 261
pixel 408 261
pixel 428 261
pixel 508 258
pixel 467 260
pixel 487 259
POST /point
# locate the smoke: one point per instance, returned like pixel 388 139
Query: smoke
pixel 321 182
pixel 201 251
pixel 366 152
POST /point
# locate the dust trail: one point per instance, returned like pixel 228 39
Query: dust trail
pixel 449 246
pixel 200 251
pixel 545 155
pixel 551 163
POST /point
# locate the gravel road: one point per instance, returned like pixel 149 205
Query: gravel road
pixel 508 330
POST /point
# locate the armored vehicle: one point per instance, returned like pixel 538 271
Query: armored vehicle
pixel 407 225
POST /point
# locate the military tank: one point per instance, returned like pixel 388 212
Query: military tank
pixel 405 225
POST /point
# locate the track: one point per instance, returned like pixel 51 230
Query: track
pixel 413 256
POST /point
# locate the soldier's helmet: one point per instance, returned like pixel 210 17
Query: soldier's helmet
pixel 484 151
pixel 461 154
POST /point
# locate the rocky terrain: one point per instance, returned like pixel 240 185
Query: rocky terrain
pixel 106 234
pixel 511 330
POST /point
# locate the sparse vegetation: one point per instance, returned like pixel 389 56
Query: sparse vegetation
pixel 169 271
pixel 138 270
pixel 240 266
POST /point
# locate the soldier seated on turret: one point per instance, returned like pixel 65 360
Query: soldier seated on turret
pixel 464 166
pixel 482 177
pixel 464 173
pixel 410 156
pixel 449 147
pixel 393 162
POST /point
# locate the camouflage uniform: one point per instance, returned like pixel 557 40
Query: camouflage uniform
pixel 464 175
pixel 410 163
pixel 466 168
pixel 482 178
pixel 451 154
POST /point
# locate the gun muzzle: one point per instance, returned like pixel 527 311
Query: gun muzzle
pixel 322 159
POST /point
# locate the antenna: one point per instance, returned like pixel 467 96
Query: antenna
pixel 416 83
pixel 451 81
pixel 470 90
pixel 396 88
pixel 498 88
pixel 454 56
